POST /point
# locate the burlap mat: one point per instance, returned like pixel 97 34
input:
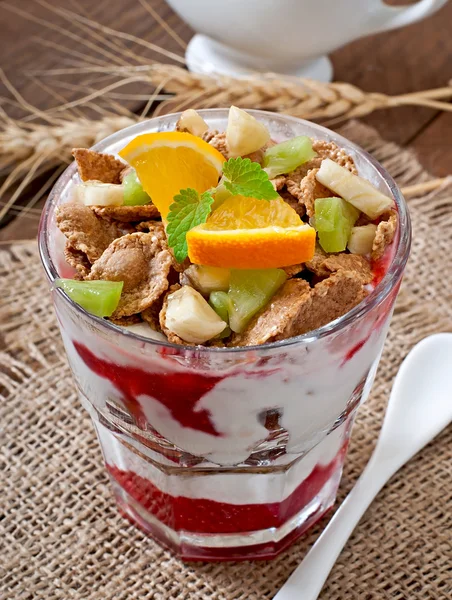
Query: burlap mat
pixel 61 535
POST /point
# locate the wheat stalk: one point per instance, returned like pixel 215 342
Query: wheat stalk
pixel 28 150
pixel 302 98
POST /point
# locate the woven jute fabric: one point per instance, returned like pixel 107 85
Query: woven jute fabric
pixel 61 536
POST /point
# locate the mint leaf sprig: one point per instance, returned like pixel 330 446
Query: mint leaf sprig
pixel 188 210
pixel 247 178
pixel 241 176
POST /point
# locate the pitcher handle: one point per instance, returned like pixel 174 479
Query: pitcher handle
pixel 391 17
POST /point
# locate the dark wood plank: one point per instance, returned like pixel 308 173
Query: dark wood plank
pixel 21 53
pixel 24 227
pixel 414 58
pixel 433 146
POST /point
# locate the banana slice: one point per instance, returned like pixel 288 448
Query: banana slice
pixel 191 318
pixel 361 239
pixel 353 188
pixel 206 279
pixel 244 134
pixel 96 193
pixel 192 122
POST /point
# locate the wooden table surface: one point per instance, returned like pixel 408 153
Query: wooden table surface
pixel 413 58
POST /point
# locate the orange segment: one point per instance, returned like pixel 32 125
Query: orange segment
pixel 169 161
pixel 245 233
pixel 266 248
pixel 240 212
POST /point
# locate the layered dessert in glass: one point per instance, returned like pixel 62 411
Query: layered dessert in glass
pixel 224 282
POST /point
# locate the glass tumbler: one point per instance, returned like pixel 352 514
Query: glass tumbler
pixel 226 453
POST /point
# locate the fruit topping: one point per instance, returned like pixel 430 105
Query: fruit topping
pixel 96 193
pixel 269 323
pixel 244 133
pixel 221 304
pixel 206 279
pixel 190 317
pixel 354 189
pixel 134 195
pixel 100 298
pixel 191 122
pixel 296 308
pixel 287 156
pixel 206 250
pixel 220 194
pixel 334 219
pixel 249 292
pixel 170 161
pixel 361 239
pixel 246 233
pixel 241 212
pixel 243 177
pixel 191 208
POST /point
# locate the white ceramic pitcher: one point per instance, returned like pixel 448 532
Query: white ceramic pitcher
pixel 292 37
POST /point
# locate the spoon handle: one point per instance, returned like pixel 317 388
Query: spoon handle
pixel 307 580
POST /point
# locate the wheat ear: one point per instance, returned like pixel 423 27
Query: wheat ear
pixel 44 139
pixel 303 98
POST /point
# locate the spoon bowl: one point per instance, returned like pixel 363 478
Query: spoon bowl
pixel 419 407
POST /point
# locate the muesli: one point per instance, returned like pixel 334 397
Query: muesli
pixel 223 238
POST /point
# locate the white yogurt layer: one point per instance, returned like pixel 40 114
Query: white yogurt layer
pixel 310 386
pixel 231 488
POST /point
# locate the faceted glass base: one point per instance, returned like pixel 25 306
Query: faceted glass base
pixel 213 512
pixel 263 544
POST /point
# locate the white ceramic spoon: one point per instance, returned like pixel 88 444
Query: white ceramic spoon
pixel 420 406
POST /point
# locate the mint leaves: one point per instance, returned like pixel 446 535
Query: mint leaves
pixel 247 178
pixel 188 210
pixel 241 176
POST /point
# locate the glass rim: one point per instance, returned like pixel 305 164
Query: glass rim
pixel 375 297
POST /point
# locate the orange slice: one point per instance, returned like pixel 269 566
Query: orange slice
pixel 170 161
pixel 245 233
